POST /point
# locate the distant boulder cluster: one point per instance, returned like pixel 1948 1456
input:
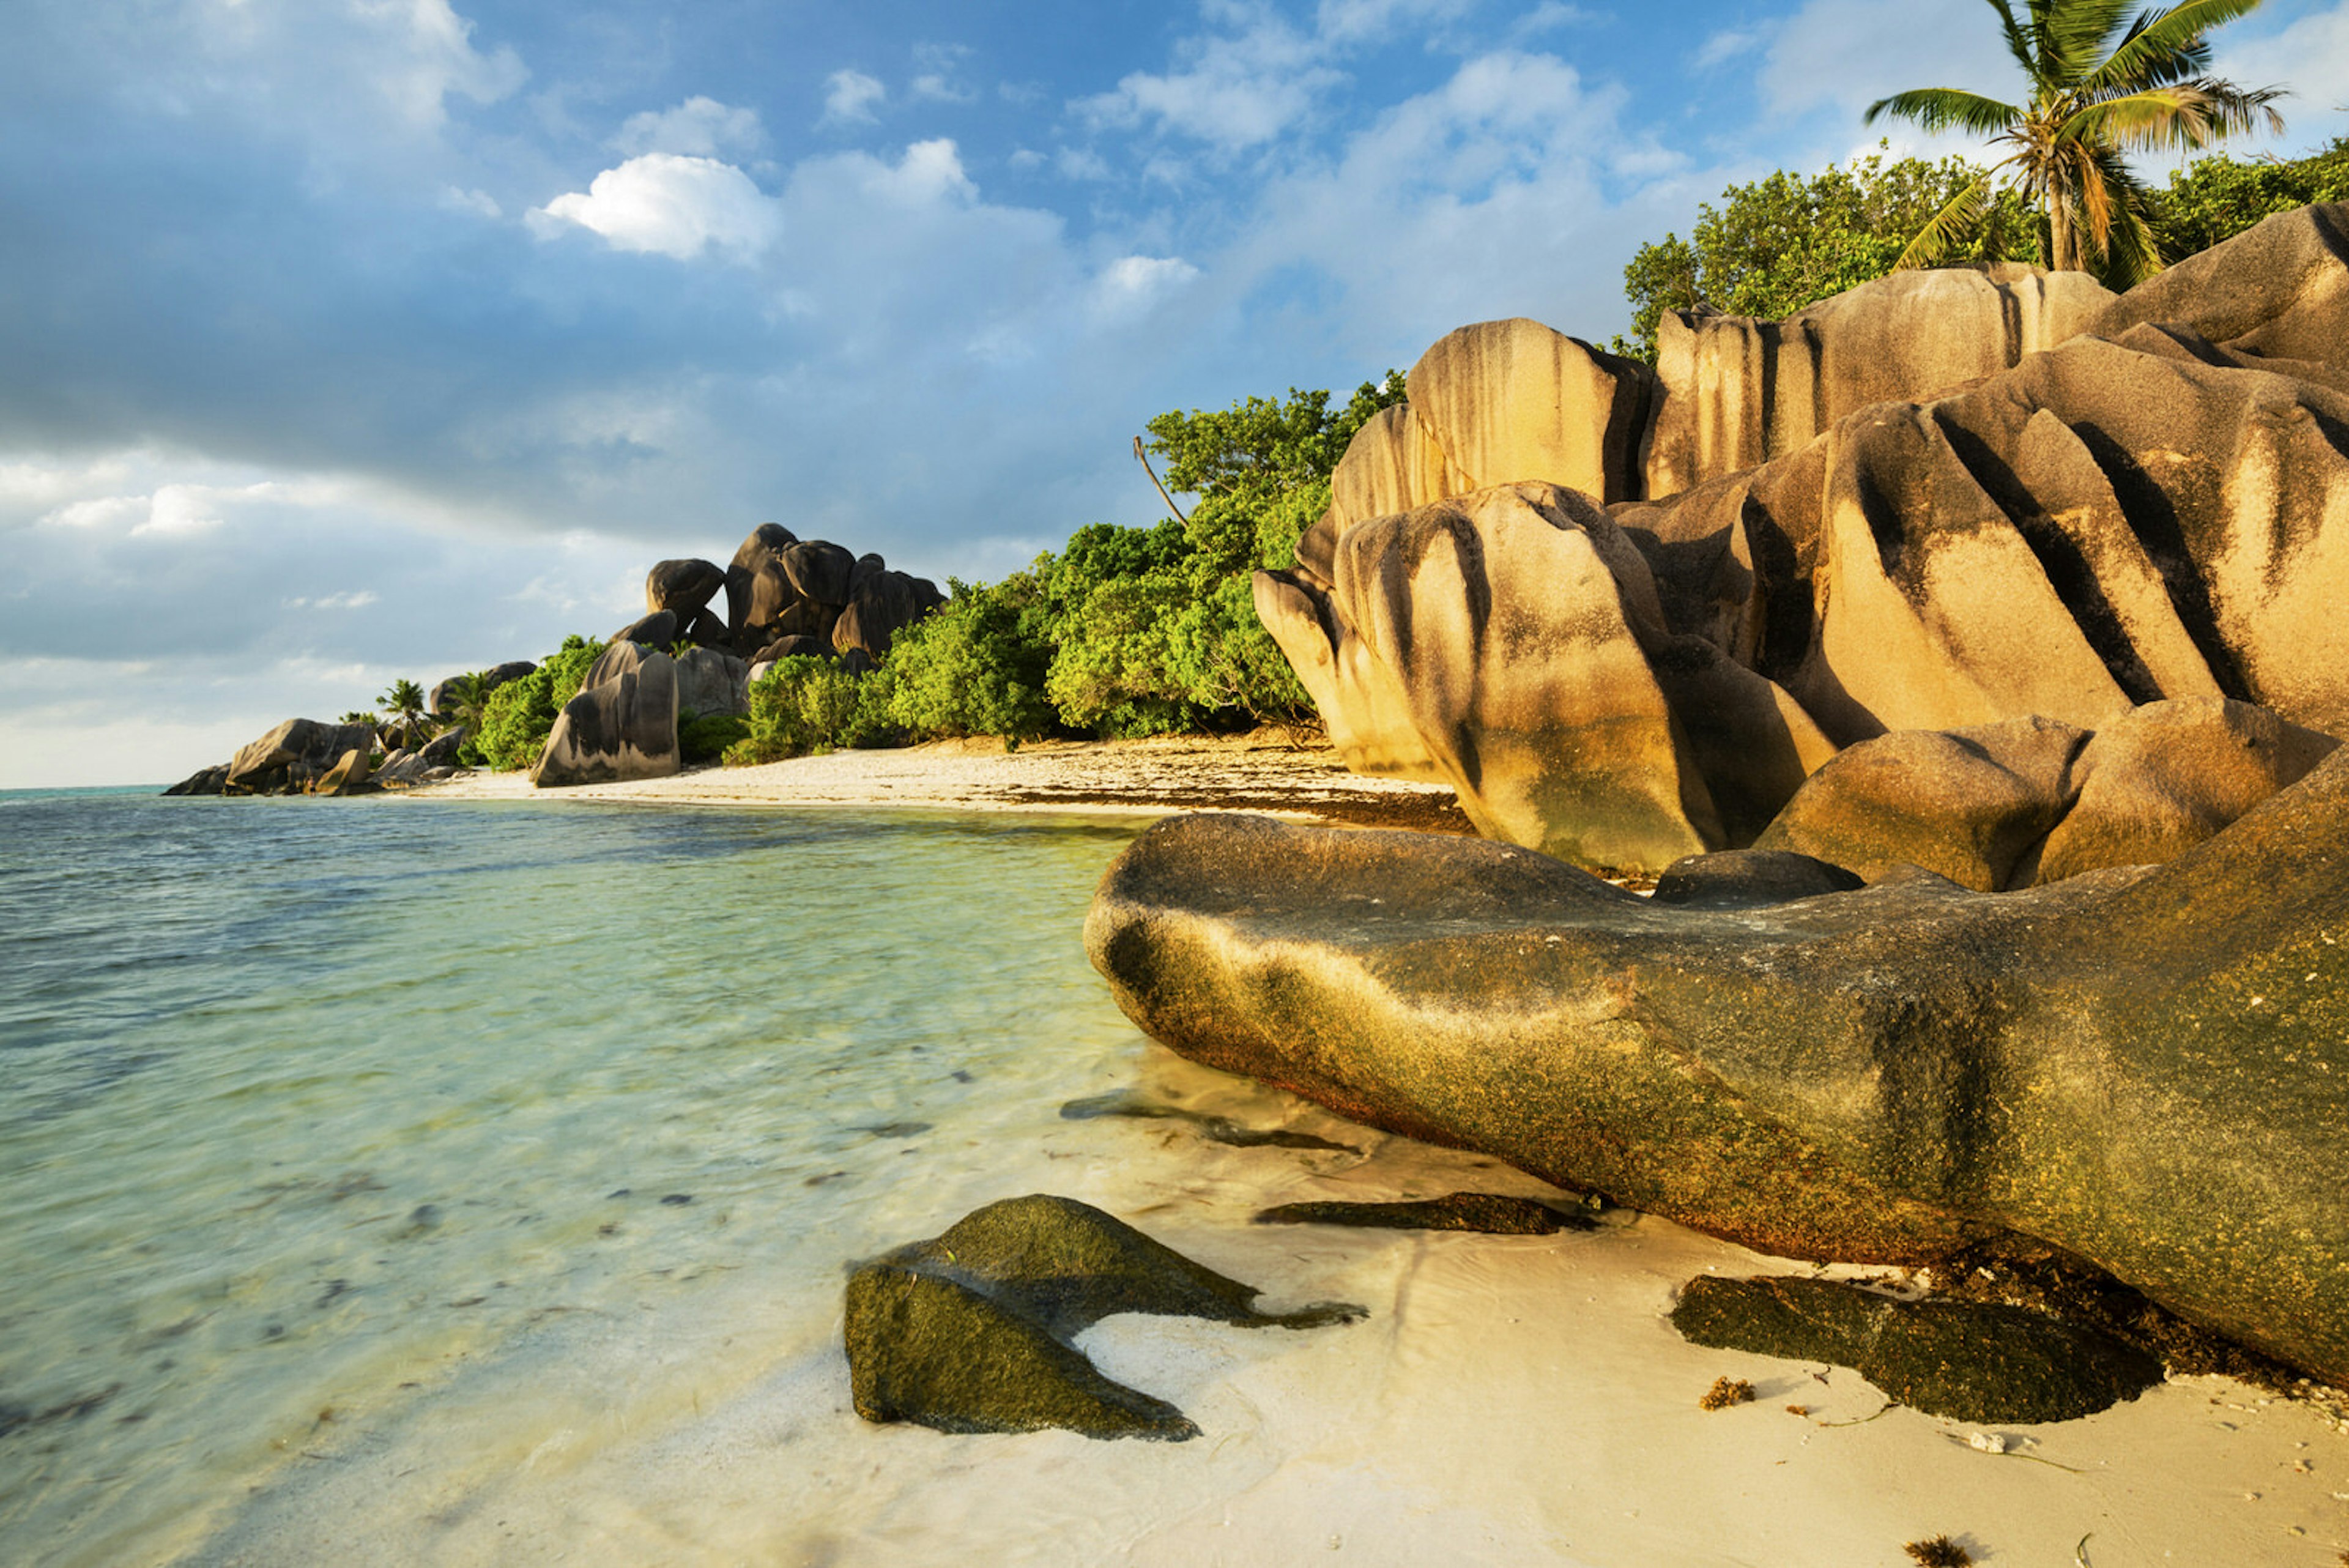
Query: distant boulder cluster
pixel 784 596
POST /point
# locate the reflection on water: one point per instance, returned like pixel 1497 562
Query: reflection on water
pixel 309 1108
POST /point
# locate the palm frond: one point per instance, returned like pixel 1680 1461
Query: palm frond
pixel 1943 109
pixel 2079 32
pixel 2018 43
pixel 1960 214
pixel 2185 118
pixel 2160 38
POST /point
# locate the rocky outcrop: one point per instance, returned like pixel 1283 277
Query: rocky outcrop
pixel 882 604
pixel 683 586
pixel 203 781
pixel 710 682
pixel 762 549
pixel 2012 804
pixel 2100 525
pixel 1963 1361
pixel 347 776
pixel 972 1331
pixel 658 629
pixel 622 725
pixel 294 755
pixel 1735 392
pixel 2140 1067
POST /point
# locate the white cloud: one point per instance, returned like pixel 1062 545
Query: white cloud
pixel 1850 53
pixel 2311 57
pixel 697 127
pixel 1080 164
pixel 1234 91
pixel 930 172
pixel 350 599
pixel 1726 45
pixel 1549 17
pixel 938 65
pixel 671 205
pixel 849 99
pixel 1026 158
pixel 429 53
pixel 1372 20
pixel 480 203
pixel 1131 287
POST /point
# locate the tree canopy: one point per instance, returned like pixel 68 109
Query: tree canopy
pixel 2101 84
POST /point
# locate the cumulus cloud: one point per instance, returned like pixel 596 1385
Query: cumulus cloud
pixel 670 205
pixel 697 127
pixel 850 97
pixel 1131 287
pixel 479 204
pixel 1726 46
pixel 939 65
pixel 1849 53
pixel 426 53
pixel 2311 57
pixel 929 171
pixel 1232 90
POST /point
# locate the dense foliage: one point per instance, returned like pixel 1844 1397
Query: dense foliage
pixel 519 714
pixel 2218 198
pixel 1784 242
pixel 1127 631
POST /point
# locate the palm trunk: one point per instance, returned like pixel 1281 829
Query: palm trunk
pixel 2064 254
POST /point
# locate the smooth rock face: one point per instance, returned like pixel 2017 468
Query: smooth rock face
pixel 347 776
pixel 710 681
pixel 684 586
pixel 971 1332
pixel 883 604
pixel 2142 1067
pixel 818 570
pixel 657 629
pixel 1511 642
pixel 1963 1361
pixel 293 756
pixel 2074 529
pixel 1736 393
pixel 622 725
pixel 765 545
pixel 2009 805
pixel 2280 291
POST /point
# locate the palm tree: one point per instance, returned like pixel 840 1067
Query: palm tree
pixel 2101 84
pixel 404 701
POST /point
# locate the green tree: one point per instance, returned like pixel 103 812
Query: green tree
pixel 976 666
pixel 1784 241
pixel 404 701
pixel 2101 84
pixel 2216 198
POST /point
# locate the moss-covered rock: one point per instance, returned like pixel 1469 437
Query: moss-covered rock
pixel 969 1332
pixel 1967 1360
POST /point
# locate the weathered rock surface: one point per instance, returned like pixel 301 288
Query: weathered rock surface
pixel 347 776
pixel 203 781
pixel 818 570
pixel 657 629
pixel 2141 1067
pixel 684 586
pixel 1511 642
pixel 710 681
pixel 2066 527
pixel 1963 1361
pixel 971 1332
pixel 765 545
pixel 621 725
pixel 2028 801
pixel 492 678
pixel 1735 392
pixel 294 755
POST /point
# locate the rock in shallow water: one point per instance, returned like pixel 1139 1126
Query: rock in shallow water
pixel 971 1332
pixel 2148 1069
pixel 1965 1361
pixel 1487 1213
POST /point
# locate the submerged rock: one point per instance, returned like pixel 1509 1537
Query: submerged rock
pixel 2145 1068
pixel 971 1332
pixel 1964 1361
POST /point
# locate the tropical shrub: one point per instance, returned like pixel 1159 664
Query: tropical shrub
pixel 706 737
pixel 520 714
pixel 805 704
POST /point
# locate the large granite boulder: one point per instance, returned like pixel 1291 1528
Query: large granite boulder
pixel 203 781
pixel 685 586
pixel 764 547
pixel 497 675
pixel 622 725
pixel 2141 1067
pixel 883 604
pixel 710 681
pixel 1511 642
pixel 2066 527
pixel 1735 392
pixel 347 776
pixel 972 1331
pixel 2008 806
pixel 658 629
pixel 293 756
pixel 818 570
pixel 2280 291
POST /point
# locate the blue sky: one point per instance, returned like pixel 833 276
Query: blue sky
pixel 343 340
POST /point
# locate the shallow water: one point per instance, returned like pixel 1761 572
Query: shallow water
pixel 308 1108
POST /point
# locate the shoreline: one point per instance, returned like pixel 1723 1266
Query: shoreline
pixel 1155 777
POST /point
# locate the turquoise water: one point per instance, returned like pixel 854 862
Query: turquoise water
pixel 312 1112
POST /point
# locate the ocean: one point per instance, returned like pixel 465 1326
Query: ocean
pixel 326 1125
